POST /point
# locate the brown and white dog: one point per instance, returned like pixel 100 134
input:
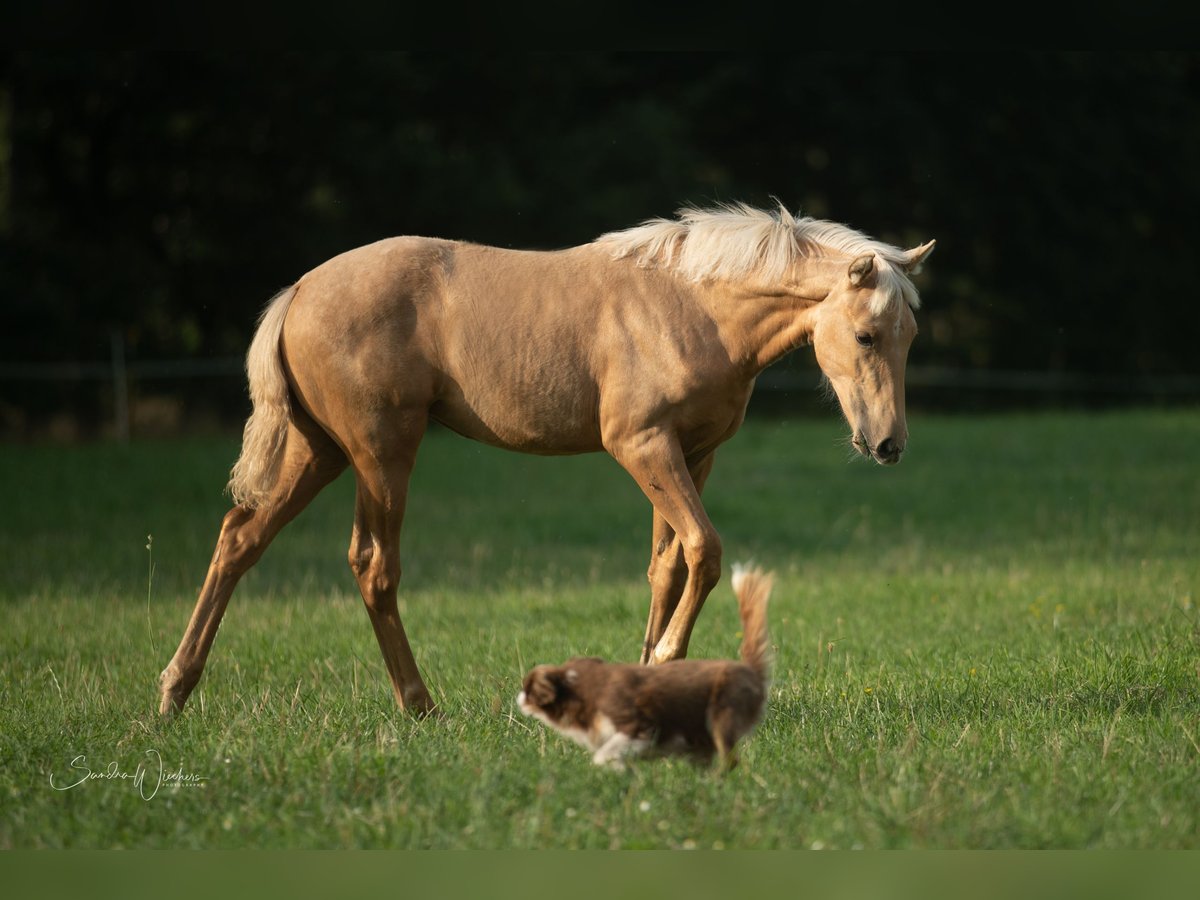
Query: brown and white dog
pixel 687 707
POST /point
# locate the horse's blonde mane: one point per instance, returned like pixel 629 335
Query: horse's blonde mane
pixel 736 241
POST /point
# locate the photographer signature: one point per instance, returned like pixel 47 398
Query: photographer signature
pixel 147 787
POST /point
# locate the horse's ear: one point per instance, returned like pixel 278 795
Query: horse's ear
pixel 916 256
pixel 862 269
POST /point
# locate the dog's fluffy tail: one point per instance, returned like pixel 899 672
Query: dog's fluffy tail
pixel 753 589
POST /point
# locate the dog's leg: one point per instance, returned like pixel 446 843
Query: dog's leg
pixel 617 749
pixel 725 730
pixel 728 759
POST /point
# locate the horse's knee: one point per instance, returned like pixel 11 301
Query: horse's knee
pixel 703 555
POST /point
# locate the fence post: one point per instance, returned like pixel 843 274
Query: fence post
pixel 120 386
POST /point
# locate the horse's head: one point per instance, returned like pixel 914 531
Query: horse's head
pixel 861 336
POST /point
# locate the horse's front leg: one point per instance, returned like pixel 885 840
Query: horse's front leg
pixel 668 570
pixel 656 462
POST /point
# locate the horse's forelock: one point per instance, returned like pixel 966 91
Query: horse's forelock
pixel 893 289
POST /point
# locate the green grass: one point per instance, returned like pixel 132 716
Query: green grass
pixel 995 644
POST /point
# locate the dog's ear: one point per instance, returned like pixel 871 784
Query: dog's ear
pixel 544 685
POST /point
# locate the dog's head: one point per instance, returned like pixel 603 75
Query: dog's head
pixel 548 692
pixel 544 689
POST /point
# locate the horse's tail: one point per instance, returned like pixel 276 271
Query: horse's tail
pixel 753 589
pixel 254 473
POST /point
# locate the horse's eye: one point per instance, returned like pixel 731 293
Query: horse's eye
pixel 864 339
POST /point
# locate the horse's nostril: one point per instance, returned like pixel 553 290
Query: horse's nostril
pixel 888 449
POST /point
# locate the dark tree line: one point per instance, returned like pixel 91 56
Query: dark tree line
pixel 166 196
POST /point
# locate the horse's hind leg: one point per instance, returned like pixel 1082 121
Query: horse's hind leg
pixel 383 475
pixel 311 460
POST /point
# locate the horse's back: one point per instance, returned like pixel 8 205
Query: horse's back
pixel 390 275
pixel 517 341
pixel 496 343
pixel 468 284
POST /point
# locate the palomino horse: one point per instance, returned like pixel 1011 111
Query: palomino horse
pixel 644 343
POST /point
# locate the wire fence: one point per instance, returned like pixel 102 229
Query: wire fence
pixel 119 373
pixel 1032 382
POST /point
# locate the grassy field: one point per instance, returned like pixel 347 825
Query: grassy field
pixel 994 645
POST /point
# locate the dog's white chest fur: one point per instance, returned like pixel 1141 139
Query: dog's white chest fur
pixel 608 745
pixel 600 732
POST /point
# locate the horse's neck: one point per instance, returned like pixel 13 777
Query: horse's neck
pixel 761 323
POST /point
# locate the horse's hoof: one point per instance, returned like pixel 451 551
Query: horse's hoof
pixel 174 688
pixel 421 706
pixel 170 706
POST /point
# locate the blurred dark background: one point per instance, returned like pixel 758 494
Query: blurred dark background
pixel 151 203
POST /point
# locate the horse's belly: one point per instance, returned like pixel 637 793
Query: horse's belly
pixel 526 421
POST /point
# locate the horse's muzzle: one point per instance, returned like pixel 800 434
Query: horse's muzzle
pixel 888 452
